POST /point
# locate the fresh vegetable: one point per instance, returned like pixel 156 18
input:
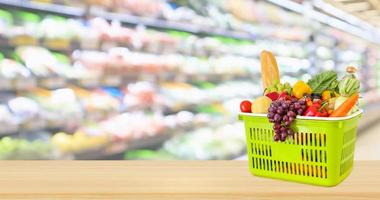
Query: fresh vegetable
pixel 261 105
pixel 322 113
pixel 245 106
pixel 300 89
pixel 336 94
pixel 316 96
pixel 311 111
pixel 354 109
pixel 269 69
pixel 273 95
pixel 317 110
pixel 321 96
pixel 309 102
pixel 279 87
pixel 349 84
pixel 345 108
pixel 324 81
pixel 331 103
pixel 330 111
pixel 340 100
pixel 326 95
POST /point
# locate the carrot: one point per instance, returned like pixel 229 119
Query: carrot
pixel 343 109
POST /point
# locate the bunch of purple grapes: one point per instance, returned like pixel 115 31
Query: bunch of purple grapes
pixel 282 113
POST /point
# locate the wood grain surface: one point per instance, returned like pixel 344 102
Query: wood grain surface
pixel 169 180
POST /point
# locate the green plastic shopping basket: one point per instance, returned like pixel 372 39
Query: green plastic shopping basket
pixel 320 153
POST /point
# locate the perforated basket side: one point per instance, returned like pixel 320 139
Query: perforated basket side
pixel 321 152
pixel 348 150
pixel 303 163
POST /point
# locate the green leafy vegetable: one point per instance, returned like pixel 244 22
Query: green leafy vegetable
pixel 324 81
pixel 349 85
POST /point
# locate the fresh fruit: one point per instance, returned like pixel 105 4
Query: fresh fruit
pixel 300 89
pixel 245 106
pixel 261 105
pixel 284 95
pixel 318 97
pixel 269 69
pixel 326 95
pixel 273 95
pixel 315 98
pixel 345 108
pixel 282 113
pixel 279 88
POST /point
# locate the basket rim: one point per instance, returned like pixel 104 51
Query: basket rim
pixel 359 112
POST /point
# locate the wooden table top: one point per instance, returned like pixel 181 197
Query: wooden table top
pixel 169 180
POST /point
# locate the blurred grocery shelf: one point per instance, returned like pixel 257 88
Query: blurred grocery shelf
pixel 124 18
pixel 159 79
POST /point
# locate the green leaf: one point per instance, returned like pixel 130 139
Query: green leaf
pixel 324 81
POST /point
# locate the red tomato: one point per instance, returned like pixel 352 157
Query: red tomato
pixel 245 106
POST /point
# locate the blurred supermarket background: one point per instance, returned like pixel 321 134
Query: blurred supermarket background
pixel 162 79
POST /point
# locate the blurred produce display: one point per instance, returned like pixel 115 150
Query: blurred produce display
pixel 23 149
pixel 208 144
pixel 153 79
